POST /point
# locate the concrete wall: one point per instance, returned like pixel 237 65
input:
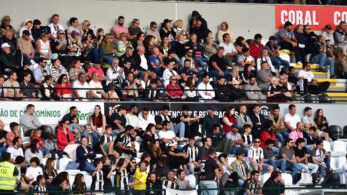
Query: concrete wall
pixel 243 19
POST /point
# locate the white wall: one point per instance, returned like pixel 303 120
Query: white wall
pixel 245 20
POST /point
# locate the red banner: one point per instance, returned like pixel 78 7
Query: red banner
pixel 315 16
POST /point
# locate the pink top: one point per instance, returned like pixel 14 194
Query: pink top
pixel 294 135
pixel 120 29
pixel 92 69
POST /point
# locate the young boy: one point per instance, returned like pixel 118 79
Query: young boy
pixel 106 143
pixel 247 136
pixel 40 186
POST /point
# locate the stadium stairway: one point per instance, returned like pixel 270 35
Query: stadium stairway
pixel 337 89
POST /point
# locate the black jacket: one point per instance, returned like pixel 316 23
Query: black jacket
pixel 82 156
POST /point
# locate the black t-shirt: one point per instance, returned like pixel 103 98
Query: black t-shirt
pixel 219 61
pixel 208 168
pixel 122 120
pixel 107 181
pixel 300 153
pixel 124 140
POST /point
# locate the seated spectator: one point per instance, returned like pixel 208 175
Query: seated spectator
pixel 228 119
pixel 25 45
pixel 210 121
pixel 247 136
pixel 275 92
pixel 43 47
pixel 301 156
pixel 115 74
pixel 236 140
pixel 41 71
pixel 252 185
pixel 291 119
pixel 321 158
pixel 16 149
pixel 174 91
pixel 273 50
pixel 246 58
pixel 241 167
pixel 49 171
pixel 264 57
pixel 166 135
pixel 310 84
pixel 169 73
pixel 224 92
pixel 81 87
pixel 153 185
pixel 210 48
pixel 320 57
pixel 286 87
pixel 286 38
pixel 175 158
pixel 63 88
pixel 253 91
pixel 122 45
pixel 125 142
pixel 12 87
pixel 308 118
pixel 40 185
pixel 153 92
pixel 270 157
pixel 132 87
pixel 264 76
pixel 132 117
pixel 34 170
pixel 163 116
pixel 29 121
pixel 96 68
pixel 98 176
pixel 15 132
pixel 275 184
pixel 320 120
pixel 33 151
pixel 205 89
pixel 156 61
pixel 76 70
pixel 192 152
pixel 97 123
pixel 79 184
pixel 229 52
pixel 267 133
pixel 190 93
pixel 145 118
pixel 97 91
pixel 218 64
pixel 298 132
pixel 224 28
pixel 182 182
pixel 341 64
pixel 256 158
pixel 258 120
pixel 278 124
pixel 85 156
pixel 148 138
pixel 57 70
pixel 187 125
pixel 26 87
pixel 64 135
pixel 107 48
pixel 311 138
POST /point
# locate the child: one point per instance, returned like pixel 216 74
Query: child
pixel 106 143
pixel 76 129
pixel 247 136
pixel 40 186
pixel 37 134
pixel 98 176
pixel 50 145
pixel 34 170
pixel 79 185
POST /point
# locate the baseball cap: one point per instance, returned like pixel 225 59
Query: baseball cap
pixel 211 107
pixel 4 45
pixel 73 33
pixel 26 32
pixel 328 27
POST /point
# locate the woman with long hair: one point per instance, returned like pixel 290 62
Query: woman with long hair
pixel 320 120
pixel 165 46
pixel 107 48
pixel 97 123
pixel 79 185
pixel 50 172
pixel 63 88
pixel 33 151
pixel 190 93
pixel 155 152
pixel 247 72
pixel 148 137
pixel 228 119
pixel 64 135
pixel 122 45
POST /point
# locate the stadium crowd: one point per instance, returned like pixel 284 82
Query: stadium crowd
pixel 137 150
pixel 168 62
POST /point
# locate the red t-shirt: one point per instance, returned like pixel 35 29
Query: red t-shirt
pixel 63 90
pixel 227 128
pixel 255 50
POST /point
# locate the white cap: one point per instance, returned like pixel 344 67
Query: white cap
pixel 4 45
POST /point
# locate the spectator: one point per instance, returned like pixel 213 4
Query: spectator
pixel 176 159
pixel 33 151
pixel 242 117
pixel 27 88
pixel 47 89
pixel 86 30
pixel 15 132
pixel 25 45
pixel 153 185
pixel 275 93
pixel 97 123
pixel 36 29
pixel 320 120
pixel 55 26
pixel 153 31
pixel 256 156
pixel 6 25
pixel 180 29
pixel 303 46
pixel 7 59
pixel 174 91
pixel 278 124
pixel 247 136
pixel 308 118
pixel 40 186
pixel 224 29
pixel 270 156
pixel 81 87
pixel 79 184
pixel 321 158
pixel 118 119
pixel 76 70
pixel 115 74
pixel 236 140
pixel 125 142
pixel 273 49
pixel 256 47
pixel 170 73
pixel 41 71
pixel 96 91
pixel 310 84
pixel 64 135
pixel 166 135
pixel 29 122
pixel 257 119
pixel 298 132
pixel 43 47
pixel 167 30
pixel 119 27
pixel 187 125
pixel 85 156
pixel 286 38
pixel 229 49
pixel 49 171
pixel 107 48
pixel 267 133
pixel 291 119
pixel 320 57
pixel 183 183
pixel 60 45
pixel 134 29
pixel 302 157
pixel 156 61
pixel 98 176
pixel 205 89
pixel 132 117
pixel 192 152
pixel 228 120
pixel 73 21
pixel 252 185
pixel 16 149
pixel 132 87
pixel 311 138
pixel 209 170
pixel 264 57
pixel 253 91
pixel 245 58
pixel 12 87
pixel 339 36
pixel 145 118
pixel 241 167
pixel 63 88
pixel 209 121
pixel 190 93
pixel 140 177
pixel 275 184
pixel 210 48
pixel 34 170
pixel 264 76
pixel 341 64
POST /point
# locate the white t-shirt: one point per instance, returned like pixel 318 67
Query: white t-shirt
pixel 293 120
pixel 97 86
pixel 256 153
pixel 143 63
pixel 82 93
pixel 32 173
pixel 228 48
pixel 133 120
pixel 166 134
pixel 15 152
pixel 144 123
pixel 306 74
pixel 167 74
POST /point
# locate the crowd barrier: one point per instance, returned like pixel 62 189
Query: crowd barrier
pixel 51 112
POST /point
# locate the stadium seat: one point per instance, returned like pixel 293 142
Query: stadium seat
pixel 288 179
pixel 336 131
pixel 344 135
pixel 63 163
pixel 139 155
pixel 339 148
pixel 192 180
pixel 264 177
pixel 71 150
pixel 88 179
pixel 327 146
pixel 71 179
pixel 137 146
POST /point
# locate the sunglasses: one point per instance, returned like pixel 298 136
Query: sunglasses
pixel 257 142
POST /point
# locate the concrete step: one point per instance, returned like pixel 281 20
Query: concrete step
pixel 341 97
pixel 337 88
pixel 333 81
pixel 320 75
pixel 299 66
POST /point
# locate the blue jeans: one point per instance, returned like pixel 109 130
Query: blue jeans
pixel 323 60
pixel 321 169
pixel 277 62
pixel 276 151
pixel 208 185
pixel 180 129
pixel 234 150
pixel 296 168
pixel 89 167
pixel 215 73
pixel 95 137
pixel 281 136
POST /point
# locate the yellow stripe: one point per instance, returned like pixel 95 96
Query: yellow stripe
pixel 340 95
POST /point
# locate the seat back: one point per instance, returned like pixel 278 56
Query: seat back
pixel 88 179
pixel 192 181
pixel 63 163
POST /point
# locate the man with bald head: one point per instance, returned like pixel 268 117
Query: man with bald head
pixel 142 64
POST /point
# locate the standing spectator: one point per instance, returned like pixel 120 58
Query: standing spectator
pixel 291 119
pixel 275 184
pixel 256 47
pixel 98 176
pixel 224 29
pixel 209 170
pixel 253 91
pixel 64 135
pixel 193 157
pixel 320 120
pixel 209 121
pixel 205 89
pixel 85 156
pixel 63 88
pixel 55 26
pixel 257 119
